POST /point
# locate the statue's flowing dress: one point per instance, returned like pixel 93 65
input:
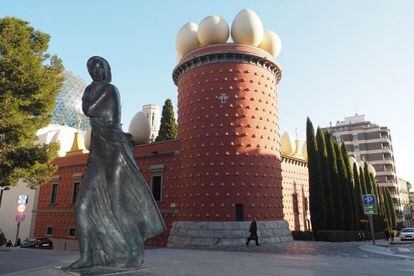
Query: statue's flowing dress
pixel 121 211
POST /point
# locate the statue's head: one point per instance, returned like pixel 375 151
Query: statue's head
pixel 99 69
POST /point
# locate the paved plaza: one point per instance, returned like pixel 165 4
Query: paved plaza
pixel 294 258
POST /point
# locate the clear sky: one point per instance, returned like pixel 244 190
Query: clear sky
pixel 338 57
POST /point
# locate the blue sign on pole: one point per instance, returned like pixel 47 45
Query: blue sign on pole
pixel 370 207
pixel 368 199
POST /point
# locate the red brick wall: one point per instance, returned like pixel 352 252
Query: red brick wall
pixel 295 180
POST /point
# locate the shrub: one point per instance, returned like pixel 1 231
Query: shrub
pixel 3 240
pixel 302 235
pixel 345 236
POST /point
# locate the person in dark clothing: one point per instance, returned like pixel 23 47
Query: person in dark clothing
pixel 253 233
pixel 18 242
pixel 387 234
pixel 9 244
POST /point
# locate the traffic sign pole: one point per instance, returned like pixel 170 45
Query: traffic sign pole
pixel 372 228
pixel 17 232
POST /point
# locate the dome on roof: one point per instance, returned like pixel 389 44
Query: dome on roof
pixel 305 151
pixel 68 111
pixel 212 29
pixel 271 43
pixel 186 39
pixel 140 128
pixel 247 28
pixel 286 144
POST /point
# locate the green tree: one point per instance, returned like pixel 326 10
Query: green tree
pixel 316 193
pixel 348 168
pixel 326 180
pixel 357 198
pixel 336 188
pixel 392 214
pixel 368 180
pixel 168 127
pixel 30 80
pixel 387 211
pixel 362 181
pixel 347 206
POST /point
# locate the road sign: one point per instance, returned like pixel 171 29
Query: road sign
pixel 20 217
pixel 370 207
pixel 368 199
pixel 21 208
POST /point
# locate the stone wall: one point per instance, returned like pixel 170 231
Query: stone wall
pixel 226 233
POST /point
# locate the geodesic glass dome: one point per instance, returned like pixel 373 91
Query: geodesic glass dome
pixel 68 110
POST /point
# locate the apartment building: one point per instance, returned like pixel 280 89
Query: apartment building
pixel 369 142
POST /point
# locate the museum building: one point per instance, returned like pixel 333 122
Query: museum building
pixel 229 163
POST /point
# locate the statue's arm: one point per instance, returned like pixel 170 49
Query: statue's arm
pixel 92 108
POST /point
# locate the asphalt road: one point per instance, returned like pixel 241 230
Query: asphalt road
pixel 296 258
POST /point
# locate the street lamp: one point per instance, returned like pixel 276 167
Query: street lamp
pixel 1 193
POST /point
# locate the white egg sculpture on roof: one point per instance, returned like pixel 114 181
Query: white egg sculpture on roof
pixel 372 170
pixel 87 138
pixel 212 30
pixel 247 28
pixel 305 151
pixel 140 128
pixel 271 43
pixel 286 144
pixel 186 39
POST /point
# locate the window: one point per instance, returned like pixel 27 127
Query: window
pixel 53 193
pixel 49 230
pixel 156 185
pixel 356 147
pixel 152 119
pixel 239 212
pixel 72 232
pixel 75 191
pixel 354 137
pixel 295 203
pixel 338 139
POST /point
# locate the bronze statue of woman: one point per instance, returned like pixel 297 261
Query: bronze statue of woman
pixel 115 210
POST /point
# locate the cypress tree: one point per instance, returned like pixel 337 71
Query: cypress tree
pixel 362 181
pixel 326 181
pixel 168 127
pixel 368 184
pixel 348 168
pixel 316 193
pixel 357 198
pixel 393 216
pixel 387 212
pixel 345 192
pixel 336 189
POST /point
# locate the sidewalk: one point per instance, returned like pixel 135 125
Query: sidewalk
pixel 396 248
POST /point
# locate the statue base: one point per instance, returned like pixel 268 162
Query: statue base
pixel 101 270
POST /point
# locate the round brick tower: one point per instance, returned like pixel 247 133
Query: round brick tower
pixel 228 125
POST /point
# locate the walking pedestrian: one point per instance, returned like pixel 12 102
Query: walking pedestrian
pixel 253 233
